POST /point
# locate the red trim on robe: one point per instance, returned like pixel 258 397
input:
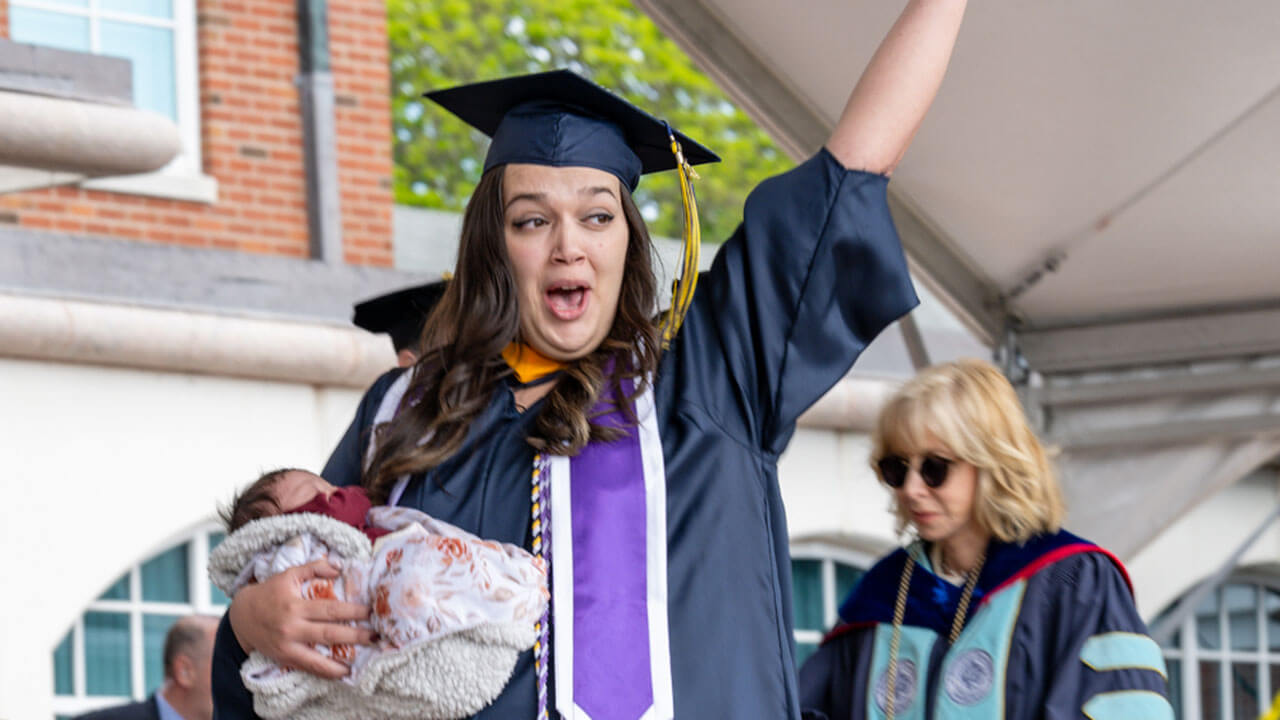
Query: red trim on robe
pixel 1054 556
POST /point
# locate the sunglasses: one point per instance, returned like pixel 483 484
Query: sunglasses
pixel 933 470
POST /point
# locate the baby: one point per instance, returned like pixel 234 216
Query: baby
pixel 290 490
pixel 452 611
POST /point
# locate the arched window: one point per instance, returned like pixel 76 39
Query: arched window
pixel 821 576
pixel 1224 660
pixel 113 653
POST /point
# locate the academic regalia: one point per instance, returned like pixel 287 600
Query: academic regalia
pixel 809 278
pixel 400 314
pixel 1052 633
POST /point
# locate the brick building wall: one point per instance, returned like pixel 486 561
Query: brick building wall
pixel 362 88
pixel 251 136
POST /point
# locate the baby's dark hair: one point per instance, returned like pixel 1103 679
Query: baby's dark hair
pixel 254 501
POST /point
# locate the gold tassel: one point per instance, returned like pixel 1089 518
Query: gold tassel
pixel 684 285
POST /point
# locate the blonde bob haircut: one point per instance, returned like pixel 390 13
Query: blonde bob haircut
pixel 971 410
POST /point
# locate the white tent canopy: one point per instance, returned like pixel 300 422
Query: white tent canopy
pixel 1097 192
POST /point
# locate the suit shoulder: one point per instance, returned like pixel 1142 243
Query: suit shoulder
pixel 144 710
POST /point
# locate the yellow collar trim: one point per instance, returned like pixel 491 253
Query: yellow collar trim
pixel 529 364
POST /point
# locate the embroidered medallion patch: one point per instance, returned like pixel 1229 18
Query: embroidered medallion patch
pixel 970 677
pixel 904 689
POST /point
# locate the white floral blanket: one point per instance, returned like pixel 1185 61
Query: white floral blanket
pixel 452 611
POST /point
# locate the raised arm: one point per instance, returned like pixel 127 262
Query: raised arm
pixel 890 100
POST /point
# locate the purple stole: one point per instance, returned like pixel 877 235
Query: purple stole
pixel 609 574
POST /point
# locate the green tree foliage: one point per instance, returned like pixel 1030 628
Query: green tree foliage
pixel 441 43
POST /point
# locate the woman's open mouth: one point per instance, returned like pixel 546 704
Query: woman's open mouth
pixel 567 301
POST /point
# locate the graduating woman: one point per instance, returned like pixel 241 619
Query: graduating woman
pixel 994 611
pixel 550 409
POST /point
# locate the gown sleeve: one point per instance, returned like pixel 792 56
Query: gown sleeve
pixel 231 701
pixel 1103 664
pixel 831 677
pixel 347 461
pixel 814 272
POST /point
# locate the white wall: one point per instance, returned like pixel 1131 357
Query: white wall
pixel 1196 545
pixel 103 466
pixel 830 492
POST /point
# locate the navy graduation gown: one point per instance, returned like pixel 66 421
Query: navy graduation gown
pixel 1053 633
pixel 810 277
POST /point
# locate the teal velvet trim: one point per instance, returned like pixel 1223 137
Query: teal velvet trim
pixel 973 674
pixel 1118 650
pixel 914 648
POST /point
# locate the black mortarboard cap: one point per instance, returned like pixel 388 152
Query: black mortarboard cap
pixel 561 119
pixel 400 314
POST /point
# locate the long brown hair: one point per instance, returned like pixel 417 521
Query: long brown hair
pixel 478 316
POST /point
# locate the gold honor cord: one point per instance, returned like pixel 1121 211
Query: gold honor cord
pixel 899 616
pixel 683 287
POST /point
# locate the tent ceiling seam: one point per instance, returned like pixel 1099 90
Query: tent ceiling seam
pixel 1053 259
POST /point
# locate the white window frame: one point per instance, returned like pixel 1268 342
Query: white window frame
pixel 1190 654
pixel 198 589
pixel 183 178
pixel 829 554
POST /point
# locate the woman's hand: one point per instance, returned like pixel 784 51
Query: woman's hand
pixel 887 106
pixel 274 618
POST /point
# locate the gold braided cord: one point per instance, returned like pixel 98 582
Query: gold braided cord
pixel 542 627
pixel 957 623
pixel 682 292
pixel 899 615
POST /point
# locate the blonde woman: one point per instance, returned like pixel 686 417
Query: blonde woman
pixel 993 611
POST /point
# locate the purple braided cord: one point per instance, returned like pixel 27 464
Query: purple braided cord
pixel 541 511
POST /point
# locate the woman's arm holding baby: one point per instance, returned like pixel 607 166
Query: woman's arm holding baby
pixel 275 619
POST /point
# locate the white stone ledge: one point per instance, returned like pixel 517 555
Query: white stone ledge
pixel 852 405
pixel 183 341
pixel 81 137
pixel 76 331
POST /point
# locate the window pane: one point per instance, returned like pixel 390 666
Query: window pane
pixel 1207 630
pixel 1244 689
pixel 806 593
pixel 51 29
pixel 62 664
pixel 1242 616
pixel 215 595
pixel 1271 600
pixel 106 654
pixel 164 577
pixel 119 589
pixel 151 50
pixel 1175 685
pixel 154 628
pixel 846 577
pixel 803 651
pixel 151 8
pixel 1210 691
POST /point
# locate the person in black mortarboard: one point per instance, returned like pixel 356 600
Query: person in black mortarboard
pixel 668 550
pixel 401 315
